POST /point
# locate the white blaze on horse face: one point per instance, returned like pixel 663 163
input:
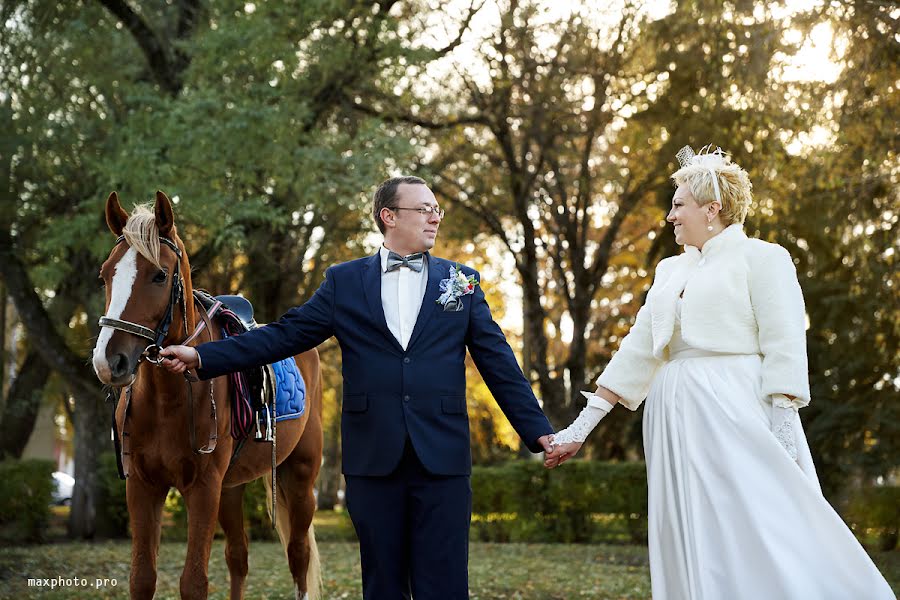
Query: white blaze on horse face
pixel 122 285
pixel 298 595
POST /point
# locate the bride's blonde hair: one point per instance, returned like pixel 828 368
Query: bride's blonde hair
pixel 734 187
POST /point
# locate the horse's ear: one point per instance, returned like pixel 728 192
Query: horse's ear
pixel 165 217
pixel 116 217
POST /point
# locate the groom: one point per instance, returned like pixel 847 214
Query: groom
pixel 404 319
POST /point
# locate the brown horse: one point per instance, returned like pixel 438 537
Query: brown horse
pixel 161 416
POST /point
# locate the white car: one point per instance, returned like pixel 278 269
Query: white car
pixel 63 484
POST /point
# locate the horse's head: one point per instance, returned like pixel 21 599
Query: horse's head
pixel 147 278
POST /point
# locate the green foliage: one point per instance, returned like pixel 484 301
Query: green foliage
pixel 587 501
pixel 260 149
pixel 838 215
pixel 566 136
pixel 112 507
pixel 257 523
pixel 334 526
pixel 256 512
pixel 874 516
pixel 245 117
pixel 570 125
pixel 174 527
pixel 26 488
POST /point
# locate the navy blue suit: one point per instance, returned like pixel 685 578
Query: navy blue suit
pixel 404 425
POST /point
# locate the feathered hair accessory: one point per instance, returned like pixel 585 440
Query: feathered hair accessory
pixel 709 159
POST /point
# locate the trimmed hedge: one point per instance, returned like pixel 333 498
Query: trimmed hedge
pixel 586 501
pixel 26 491
pixel 599 502
pixel 112 508
pixel 874 516
pixel 519 501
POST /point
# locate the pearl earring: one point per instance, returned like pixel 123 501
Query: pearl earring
pixel 709 227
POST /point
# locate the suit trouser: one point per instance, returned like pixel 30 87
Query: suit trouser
pixel 413 530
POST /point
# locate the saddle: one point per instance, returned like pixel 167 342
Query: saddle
pixel 255 388
pixel 241 307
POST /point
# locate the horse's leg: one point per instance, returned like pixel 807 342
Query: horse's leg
pixel 296 505
pixel 145 503
pixel 202 503
pixel 231 517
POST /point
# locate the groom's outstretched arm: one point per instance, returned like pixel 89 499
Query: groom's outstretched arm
pixel 500 370
pixel 298 330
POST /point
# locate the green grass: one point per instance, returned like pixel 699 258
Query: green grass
pixel 497 571
pixel 520 571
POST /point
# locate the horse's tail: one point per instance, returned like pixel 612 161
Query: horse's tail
pixel 282 525
pixel 314 572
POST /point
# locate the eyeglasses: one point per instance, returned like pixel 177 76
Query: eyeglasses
pixel 423 210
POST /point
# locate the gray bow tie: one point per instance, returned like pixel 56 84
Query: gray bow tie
pixel 413 261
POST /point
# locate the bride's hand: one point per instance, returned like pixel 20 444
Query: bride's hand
pixel 560 454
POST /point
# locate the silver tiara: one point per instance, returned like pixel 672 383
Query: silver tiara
pixel 707 158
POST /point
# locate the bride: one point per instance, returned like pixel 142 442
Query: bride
pixel 719 352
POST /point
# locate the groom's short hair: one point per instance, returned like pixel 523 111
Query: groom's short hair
pixel 386 195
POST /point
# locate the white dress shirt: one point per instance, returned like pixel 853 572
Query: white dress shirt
pixel 402 291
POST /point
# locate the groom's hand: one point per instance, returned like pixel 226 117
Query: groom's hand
pixel 545 442
pixel 179 359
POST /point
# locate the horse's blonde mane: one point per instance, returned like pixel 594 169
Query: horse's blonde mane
pixel 141 233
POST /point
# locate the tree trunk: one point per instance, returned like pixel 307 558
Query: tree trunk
pixel 4 303
pixel 22 406
pixel 92 426
pixel 578 355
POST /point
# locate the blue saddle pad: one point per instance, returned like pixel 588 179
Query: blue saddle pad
pixel 290 394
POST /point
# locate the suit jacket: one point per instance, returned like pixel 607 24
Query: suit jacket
pixel 391 394
pixel 741 296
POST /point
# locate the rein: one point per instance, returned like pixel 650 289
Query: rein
pixel 214 434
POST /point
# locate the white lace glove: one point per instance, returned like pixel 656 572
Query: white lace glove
pixel 784 413
pixel 581 427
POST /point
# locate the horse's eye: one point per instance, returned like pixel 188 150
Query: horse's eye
pixel 102 282
pixel 160 277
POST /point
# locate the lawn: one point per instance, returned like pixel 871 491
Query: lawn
pixel 497 571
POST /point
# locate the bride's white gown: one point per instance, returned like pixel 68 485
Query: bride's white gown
pixel 731 516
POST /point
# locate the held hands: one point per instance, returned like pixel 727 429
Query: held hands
pixel 546 442
pixel 560 454
pixel 179 359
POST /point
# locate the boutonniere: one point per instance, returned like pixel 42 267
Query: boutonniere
pixel 457 285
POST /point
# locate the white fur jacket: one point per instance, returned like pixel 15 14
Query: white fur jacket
pixel 741 296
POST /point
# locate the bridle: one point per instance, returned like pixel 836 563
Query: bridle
pixel 155 336
pixel 151 353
